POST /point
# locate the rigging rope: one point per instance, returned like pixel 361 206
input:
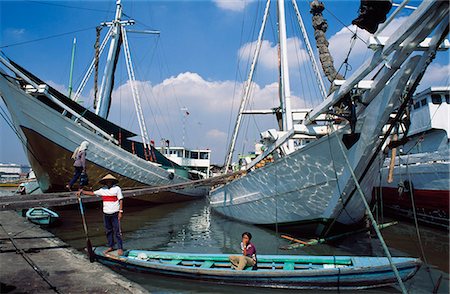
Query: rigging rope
pixel 68 6
pixel 320 27
pixel 16 132
pixel 45 38
pixel 96 58
pixel 372 219
pixel 416 223
pixel 345 63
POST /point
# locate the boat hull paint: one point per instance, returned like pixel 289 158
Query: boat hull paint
pixel 314 182
pixel 370 272
pixel 50 138
pixel 42 216
pixel 429 174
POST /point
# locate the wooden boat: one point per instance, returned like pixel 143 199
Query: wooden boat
pixel 274 271
pixel 41 216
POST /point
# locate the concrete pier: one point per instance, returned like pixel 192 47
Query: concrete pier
pixel 33 260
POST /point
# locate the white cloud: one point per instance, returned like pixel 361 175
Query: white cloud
pixel 340 43
pixel 268 56
pixel 216 134
pixel 436 75
pixel 210 104
pixel 232 5
pixel 15 32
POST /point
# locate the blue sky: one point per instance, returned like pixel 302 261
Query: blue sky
pixel 199 61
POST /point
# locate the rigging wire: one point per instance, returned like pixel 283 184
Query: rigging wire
pixel 345 63
pixel 346 26
pixel 304 69
pixel 237 73
pixel 4 115
pixel 67 6
pixel 46 38
pixel 416 222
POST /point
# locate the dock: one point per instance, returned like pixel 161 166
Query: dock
pixel 35 261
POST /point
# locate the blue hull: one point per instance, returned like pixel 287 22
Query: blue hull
pixel 274 271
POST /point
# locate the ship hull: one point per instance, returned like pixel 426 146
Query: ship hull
pixel 429 174
pixel 315 182
pixel 49 137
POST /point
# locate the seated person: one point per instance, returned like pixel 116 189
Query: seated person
pixel 248 257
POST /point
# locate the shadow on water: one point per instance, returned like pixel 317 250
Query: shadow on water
pixel 192 227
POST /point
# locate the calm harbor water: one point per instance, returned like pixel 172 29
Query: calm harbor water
pixel 193 227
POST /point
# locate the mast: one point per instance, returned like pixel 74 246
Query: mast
pixel 285 90
pixel 247 91
pixel 135 94
pixel 71 66
pixel 107 84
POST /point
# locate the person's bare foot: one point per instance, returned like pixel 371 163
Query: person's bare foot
pixel 119 252
pixel 108 250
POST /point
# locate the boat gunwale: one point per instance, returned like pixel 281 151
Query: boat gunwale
pixel 408 264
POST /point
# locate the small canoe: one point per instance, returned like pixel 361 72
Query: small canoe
pixel 274 271
pixel 41 216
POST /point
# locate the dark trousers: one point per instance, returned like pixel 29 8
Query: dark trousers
pixel 112 228
pixel 76 175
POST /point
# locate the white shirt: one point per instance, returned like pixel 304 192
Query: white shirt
pixel 110 197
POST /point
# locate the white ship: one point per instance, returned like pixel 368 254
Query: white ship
pixel 312 183
pixel 422 165
pixel 196 161
pixel 51 125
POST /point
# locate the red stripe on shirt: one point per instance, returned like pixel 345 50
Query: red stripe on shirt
pixel 109 198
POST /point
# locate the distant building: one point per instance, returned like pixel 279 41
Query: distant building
pixel 10 172
pixel 196 161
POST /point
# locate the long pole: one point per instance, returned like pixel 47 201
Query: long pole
pixel 185 114
pixel 246 91
pixel 372 219
pixel 90 252
pixel 71 65
pixel 285 88
pixel 134 91
pixel 310 51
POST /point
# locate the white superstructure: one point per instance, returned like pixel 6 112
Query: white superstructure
pixel 197 161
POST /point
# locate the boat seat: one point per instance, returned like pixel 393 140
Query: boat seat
pixel 175 261
pixel 207 264
pixel 289 266
pixel 250 268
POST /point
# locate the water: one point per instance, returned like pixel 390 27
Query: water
pixel 6 191
pixel 192 227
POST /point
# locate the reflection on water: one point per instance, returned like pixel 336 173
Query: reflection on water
pixel 192 227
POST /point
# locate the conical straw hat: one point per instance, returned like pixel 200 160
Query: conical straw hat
pixel 108 177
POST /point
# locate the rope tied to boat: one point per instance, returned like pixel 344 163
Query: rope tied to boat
pixel 416 222
pixel 371 217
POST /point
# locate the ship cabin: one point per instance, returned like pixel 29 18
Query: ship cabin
pixel 196 161
pixel 430 115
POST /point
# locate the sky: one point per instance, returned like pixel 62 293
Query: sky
pixel 198 62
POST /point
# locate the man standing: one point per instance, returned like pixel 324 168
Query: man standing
pixel 112 210
pixel 248 257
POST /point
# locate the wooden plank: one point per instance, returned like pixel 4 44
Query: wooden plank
pixel 175 261
pixel 207 264
pixel 343 260
pixel 289 266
